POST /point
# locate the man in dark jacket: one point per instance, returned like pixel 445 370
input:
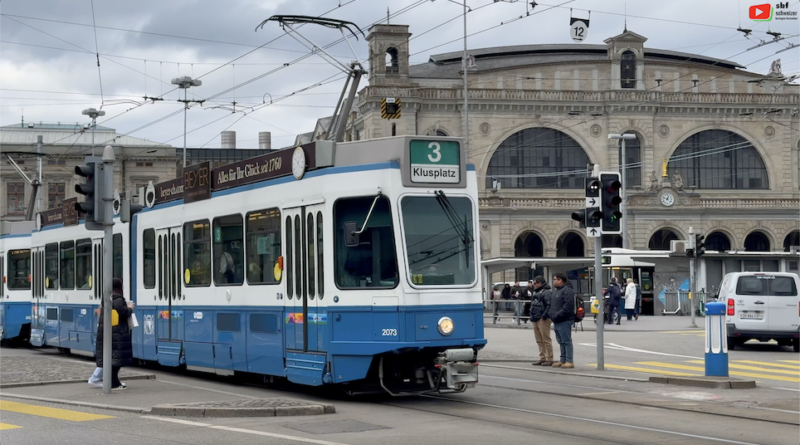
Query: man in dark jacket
pixel 540 318
pixel 562 312
pixel 613 294
pixel 121 348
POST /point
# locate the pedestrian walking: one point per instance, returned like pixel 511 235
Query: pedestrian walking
pixel 540 319
pixel 614 295
pixel 527 295
pixel 516 295
pixel 506 296
pixel 96 379
pixel 562 312
pixel 638 300
pixel 121 348
pixel 496 295
pixel 630 299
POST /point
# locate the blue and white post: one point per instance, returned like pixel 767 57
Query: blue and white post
pixel 716 341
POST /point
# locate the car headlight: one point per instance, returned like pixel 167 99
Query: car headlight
pixel 446 326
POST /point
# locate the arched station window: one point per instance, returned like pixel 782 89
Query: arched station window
pixel 633 163
pixel 718 241
pixel 528 245
pixel 570 245
pixel 719 159
pixel 756 242
pixel 538 158
pixel 661 239
pixel 792 239
pixel 628 70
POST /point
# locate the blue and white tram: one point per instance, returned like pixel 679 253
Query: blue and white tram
pixel 15 286
pixel 66 262
pixel 361 269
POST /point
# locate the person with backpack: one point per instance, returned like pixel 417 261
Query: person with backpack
pixel 540 319
pixel 562 313
pixel 613 295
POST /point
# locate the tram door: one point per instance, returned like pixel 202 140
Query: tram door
pixel 37 289
pixel 168 277
pixel 303 277
pixel 648 293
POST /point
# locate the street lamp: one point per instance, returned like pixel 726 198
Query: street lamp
pixel 91 112
pixel 185 83
pixel 624 195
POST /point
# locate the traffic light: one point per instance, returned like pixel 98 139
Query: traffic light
pixel 699 245
pixel 588 218
pixel 91 188
pixel 127 210
pixel 592 191
pixel 611 200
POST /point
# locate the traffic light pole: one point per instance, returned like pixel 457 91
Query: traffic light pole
pixel 692 278
pixel 107 195
pixel 598 294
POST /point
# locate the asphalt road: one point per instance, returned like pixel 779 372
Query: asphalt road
pixel 513 403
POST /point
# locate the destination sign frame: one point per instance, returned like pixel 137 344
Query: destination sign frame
pixel 435 162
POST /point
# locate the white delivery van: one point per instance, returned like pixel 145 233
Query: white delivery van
pixel 763 306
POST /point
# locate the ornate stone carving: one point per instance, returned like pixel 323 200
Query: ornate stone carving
pixel 485 128
pixel 769 131
pixel 596 129
pixel 653 181
pixel 775 69
pixel 663 131
pixel 677 181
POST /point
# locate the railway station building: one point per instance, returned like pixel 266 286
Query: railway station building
pixel 717 147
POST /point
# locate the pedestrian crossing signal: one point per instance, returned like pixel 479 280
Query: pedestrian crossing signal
pixel 391 108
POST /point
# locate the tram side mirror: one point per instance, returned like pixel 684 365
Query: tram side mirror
pixel 350 235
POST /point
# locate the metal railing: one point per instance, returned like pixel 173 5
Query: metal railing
pixel 679 303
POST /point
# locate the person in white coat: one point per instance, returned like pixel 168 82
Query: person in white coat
pixel 630 298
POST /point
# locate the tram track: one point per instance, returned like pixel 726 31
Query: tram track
pixel 569 420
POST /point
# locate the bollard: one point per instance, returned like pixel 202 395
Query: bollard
pixel 716 341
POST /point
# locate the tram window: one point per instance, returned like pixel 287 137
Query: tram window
pixel 149 258
pixel 228 250
pixel 19 270
pixel 83 264
pixel 68 265
pixel 298 256
pixel 263 234
pixel 311 240
pixel 197 252
pixel 372 262
pixel 161 268
pixel 51 266
pixel 52 313
pixel 320 285
pixel 178 266
pixel 116 270
pixel 2 277
pixel 289 258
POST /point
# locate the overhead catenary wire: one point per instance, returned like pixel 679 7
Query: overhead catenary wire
pixel 97 55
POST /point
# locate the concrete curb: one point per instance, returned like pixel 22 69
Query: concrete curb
pixel 280 411
pixel 56 382
pixel 579 374
pixel 130 409
pixel 707 382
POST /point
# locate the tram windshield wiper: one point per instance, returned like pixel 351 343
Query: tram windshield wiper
pixel 351 238
pixel 461 228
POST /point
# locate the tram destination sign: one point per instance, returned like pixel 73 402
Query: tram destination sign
pixel 197 182
pixel 260 168
pixel 436 162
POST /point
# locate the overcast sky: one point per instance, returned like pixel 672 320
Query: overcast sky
pixel 48 67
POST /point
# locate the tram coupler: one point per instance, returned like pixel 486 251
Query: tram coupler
pixel 459 368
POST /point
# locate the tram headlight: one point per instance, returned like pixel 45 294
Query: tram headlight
pixel 446 326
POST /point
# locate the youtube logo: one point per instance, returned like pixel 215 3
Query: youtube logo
pixel 761 12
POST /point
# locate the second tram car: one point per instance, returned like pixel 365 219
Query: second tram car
pixel 15 282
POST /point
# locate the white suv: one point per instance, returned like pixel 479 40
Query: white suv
pixel 763 306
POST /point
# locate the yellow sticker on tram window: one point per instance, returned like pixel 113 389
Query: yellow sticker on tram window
pixel 47 282
pixel 90 281
pixel 277 272
pixel 416 278
pixel 187 276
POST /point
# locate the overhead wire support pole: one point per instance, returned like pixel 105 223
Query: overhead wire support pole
pixel 106 192
pixel 598 294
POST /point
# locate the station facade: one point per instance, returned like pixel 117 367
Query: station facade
pixel 717 147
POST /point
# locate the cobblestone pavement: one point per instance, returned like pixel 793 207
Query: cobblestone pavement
pixel 23 371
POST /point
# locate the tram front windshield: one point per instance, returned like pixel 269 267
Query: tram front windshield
pixel 440 242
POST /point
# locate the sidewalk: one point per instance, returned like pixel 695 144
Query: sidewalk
pixel 645 323
pixel 49 378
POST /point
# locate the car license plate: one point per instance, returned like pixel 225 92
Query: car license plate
pixel 752 315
